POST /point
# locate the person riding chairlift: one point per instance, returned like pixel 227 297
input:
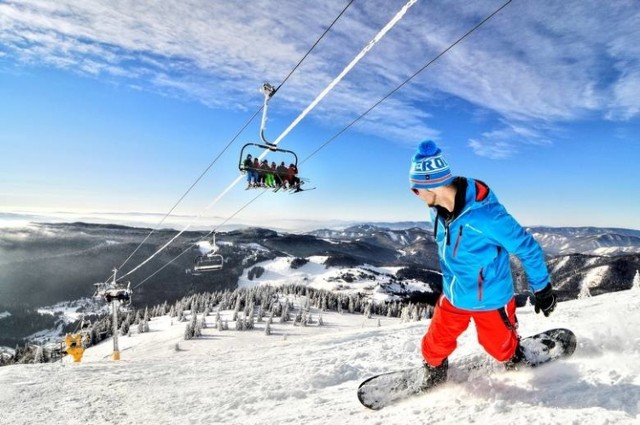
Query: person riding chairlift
pixel 294 180
pixel 266 172
pixel 257 169
pixel 252 174
pixel 282 173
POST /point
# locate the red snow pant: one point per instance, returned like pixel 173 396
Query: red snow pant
pixel 496 331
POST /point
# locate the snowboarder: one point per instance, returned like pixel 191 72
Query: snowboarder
pixel 475 235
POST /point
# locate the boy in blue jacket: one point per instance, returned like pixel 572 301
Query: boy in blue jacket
pixel 475 235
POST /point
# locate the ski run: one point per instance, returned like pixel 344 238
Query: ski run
pixel 309 375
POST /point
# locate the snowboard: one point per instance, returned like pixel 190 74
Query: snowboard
pixel 381 390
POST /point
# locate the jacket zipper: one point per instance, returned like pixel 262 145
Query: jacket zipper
pixel 480 282
pixel 455 248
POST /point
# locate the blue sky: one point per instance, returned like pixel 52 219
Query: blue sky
pixel 117 107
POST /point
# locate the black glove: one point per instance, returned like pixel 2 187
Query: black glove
pixel 546 300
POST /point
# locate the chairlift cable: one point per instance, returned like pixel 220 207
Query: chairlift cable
pixel 193 184
pixel 295 122
pixel 392 92
pixel 314 45
pixel 249 121
pixel 346 70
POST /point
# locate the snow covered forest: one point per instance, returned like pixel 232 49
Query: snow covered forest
pixel 261 304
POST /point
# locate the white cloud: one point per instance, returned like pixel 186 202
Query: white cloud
pixel 506 142
pixel 535 62
pixel 625 105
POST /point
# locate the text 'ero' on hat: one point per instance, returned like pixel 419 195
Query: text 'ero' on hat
pixel 429 169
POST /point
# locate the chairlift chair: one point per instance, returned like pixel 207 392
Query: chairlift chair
pixel 290 157
pixel 115 290
pixel 210 261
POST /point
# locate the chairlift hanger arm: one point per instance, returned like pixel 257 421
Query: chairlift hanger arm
pixel 268 90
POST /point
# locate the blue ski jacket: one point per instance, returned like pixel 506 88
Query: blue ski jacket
pixel 474 244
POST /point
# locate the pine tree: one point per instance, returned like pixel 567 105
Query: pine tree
pixel 124 328
pixel 39 356
pixel 284 317
pixel 219 325
pixel 636 280
pixel 260 314
pixel 320 321
pixel 584 291
pixel 367 311
pixel 141 327
pixel 267 329
pixel 197 327
pixel 188 331
pixel 240 324
pixel 404 316
pixel 236 310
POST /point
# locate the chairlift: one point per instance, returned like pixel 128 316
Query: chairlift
pixel 114 291
pixel 286 177
pixel 210 261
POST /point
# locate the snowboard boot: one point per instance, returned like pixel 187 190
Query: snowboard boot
pixel 518 360
pixel 434 375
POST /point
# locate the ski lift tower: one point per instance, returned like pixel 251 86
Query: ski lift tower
pixel 114 307
pixel 114 293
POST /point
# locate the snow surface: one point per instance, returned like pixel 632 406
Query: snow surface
pixel 309 375
pixel 4 314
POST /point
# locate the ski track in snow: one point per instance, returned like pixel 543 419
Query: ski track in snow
pixel 310 375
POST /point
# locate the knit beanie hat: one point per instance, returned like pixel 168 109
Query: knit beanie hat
pixel 428 168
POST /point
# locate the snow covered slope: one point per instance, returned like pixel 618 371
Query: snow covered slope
pixel 309 375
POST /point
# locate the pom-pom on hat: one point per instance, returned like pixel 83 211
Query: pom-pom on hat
pixel 429 169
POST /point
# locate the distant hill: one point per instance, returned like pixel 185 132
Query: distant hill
pixel 44 264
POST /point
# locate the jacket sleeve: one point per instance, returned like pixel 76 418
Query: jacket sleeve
pixel 501 228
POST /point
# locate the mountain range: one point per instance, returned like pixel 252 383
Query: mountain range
pixel 45 264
